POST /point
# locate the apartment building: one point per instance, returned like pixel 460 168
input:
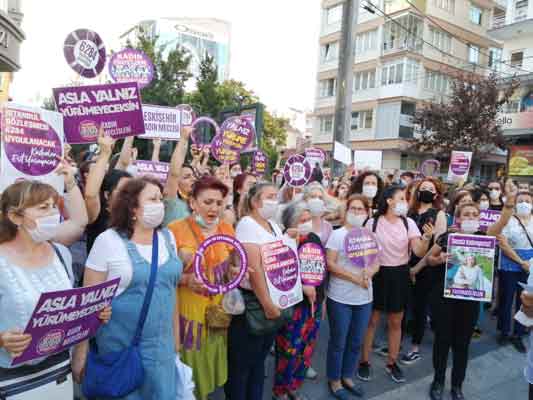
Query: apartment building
pixel 405 52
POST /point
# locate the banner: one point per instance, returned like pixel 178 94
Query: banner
pixel 158 170
pixel 259 163
pixel 32 145
pixel 470 268
pixel 521 160
pixel 282 274
pixel 459 166
pixel 161 122
pixel 116 107
pixel 131 65
pixel 487 218
pixel 312 263
pixel 65 317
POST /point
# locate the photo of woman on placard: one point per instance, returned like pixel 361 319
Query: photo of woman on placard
pixel 469 274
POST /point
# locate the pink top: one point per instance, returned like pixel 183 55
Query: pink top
pixel 393 240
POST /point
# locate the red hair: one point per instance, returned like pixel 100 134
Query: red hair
pixel 207 183
pixel 437 201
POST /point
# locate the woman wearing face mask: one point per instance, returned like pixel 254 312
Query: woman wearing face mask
pixel 481 198
pixel 370 185
pixel 349 304
pixel 316 197
pixel 495 194
pixel 460 197
pixel 295 341
pixel 517 228
pixel 203 348
pixel 30 264
pixel 246 351
pixel 397 236
pixel 453 320
pixel 125 251
pixel 426 208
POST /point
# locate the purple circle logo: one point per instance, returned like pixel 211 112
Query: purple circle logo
pixel 221 153
pixel 84 51
pixel 50 342
pixel 187 115
pixel 281 265
pixel 297 171
pixel 130 65
pixel 30 144
pixel 283 301
pixel 88 130
pixel 200 121
pixel 237 133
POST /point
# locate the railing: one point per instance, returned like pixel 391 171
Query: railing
pixel 498 21
pixel 520 14
pixel 402 44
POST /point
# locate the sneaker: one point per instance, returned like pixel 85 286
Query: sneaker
pixel 477 333
pixel 383 351
pixel 364 372
pixel 395 373
pixel 310 373
pixel 436 391
pixel 457 394
pixel 410 358
pixel 518 344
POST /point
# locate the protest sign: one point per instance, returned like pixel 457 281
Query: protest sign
pixel 32 145
pixel 237 133
pixel 115 107
pixel 282 274
pixel 259 163
pixel 221 153
pixel 161 122
pixel 487 218
pixel 219 286
pixel 188 116
pixel 368 160
pixel 361 248
pixel 342 153
pixel 84 51
pixel 470 267
pixel 196 137
pixel 315 155
pixel 297 171
pixel 459 166
pixel 430 168
pixel 158 170
pixel 312 263
pixel 65 317
pixel 131 65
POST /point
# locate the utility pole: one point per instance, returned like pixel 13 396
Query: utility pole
pixel 343 105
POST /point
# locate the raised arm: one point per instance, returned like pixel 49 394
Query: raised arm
pixel 156 149
pixel 420 245
pixel 510 193
pixel 124 160
pixel 176 162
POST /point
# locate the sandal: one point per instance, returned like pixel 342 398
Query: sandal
pixel 355 390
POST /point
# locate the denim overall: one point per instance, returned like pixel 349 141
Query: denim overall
pixel 157 340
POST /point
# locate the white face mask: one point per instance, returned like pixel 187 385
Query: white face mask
pixel 269 209
pixel 45 228
pixel 316 207
pixel 523 209
pixel 235 174
pixel 153 214
pixel 298 197
pixel 305 229
pixel 356 220
pixel 494 194
pixel 470 226
pixel 401 208
pixel 370 191
pixel 484 205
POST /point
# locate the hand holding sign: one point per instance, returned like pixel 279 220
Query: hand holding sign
pixel 14 342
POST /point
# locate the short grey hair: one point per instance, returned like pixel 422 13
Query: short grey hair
pixel 292 213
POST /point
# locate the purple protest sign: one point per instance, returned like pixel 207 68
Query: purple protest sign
pixel 188 116
pixel 459 166
pixel 361 248
pixel 487 218
pixel 315 155
pixel 280 264
pixel 66 317
pixel 430 167
pixel 200 273
pixel 199 121
pixel 297 171
pixel 259 163
pixel 116 107
pixel 237 133
pixel 31 145
pixel 131 65
pixel 84 51
pixel 158 170
pixel 221 153
pixel 312 263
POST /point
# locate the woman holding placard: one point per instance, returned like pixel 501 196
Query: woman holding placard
pixel 397 236
pixel 204 339
pixel 30 264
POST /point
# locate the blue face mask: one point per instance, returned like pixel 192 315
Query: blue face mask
pixel 200 221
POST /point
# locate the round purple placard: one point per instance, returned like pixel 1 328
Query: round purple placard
pixel 361 247
pixel 30 144
pixel 297 171
pixel 259 162
pixel 221 153
pixel 84 51
pixel 312 264
pixel 199 272
pixel 281 265
pixel 237 133
pixel 460 164
pixel 130 65
pixel 430 167
pixel 188 116
pixel 203 120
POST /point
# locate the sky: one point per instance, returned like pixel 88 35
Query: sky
pixel 274 44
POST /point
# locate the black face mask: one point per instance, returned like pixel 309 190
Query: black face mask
pixel 425 196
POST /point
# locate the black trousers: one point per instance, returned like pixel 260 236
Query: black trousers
pixel 454 322
pixel 530 391
pixel 420 304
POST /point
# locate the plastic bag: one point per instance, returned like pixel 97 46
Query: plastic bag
pixel 233 302
pixel 185 385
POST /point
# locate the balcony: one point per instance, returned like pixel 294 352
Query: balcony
pixel 498 21
pixel 521 26
pixel 400 44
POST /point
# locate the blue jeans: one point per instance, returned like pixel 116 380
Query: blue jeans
pixel 508 290
pixel 347 326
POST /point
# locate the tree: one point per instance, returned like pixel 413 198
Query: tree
pixel 206 99
pixel 467 120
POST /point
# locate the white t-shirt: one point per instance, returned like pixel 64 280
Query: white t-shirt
pixel 110 254
pixel 341 290
pixel 515 234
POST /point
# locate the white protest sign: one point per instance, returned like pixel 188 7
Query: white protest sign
pixel 342 153
pixel 161 122
pixel 368 159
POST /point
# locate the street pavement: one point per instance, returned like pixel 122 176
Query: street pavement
pixel 494 373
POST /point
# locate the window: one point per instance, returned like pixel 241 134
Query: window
pixel 326 124
pixel 327 87
pixel 495 57
pixel 512 106
pixel 476 15
pixel 391 74
pixel 366 41
pixel 411 71
pixel 446 5
pixel 394 5
pixel 364 80
pixel 436 81
pixel 440 39
pixel 362 120
pixel 517 58
pixel 473 54
pixel 397 38
pixel 334 14
pixel 329 52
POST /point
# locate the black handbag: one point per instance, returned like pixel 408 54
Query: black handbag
pixel 256 319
